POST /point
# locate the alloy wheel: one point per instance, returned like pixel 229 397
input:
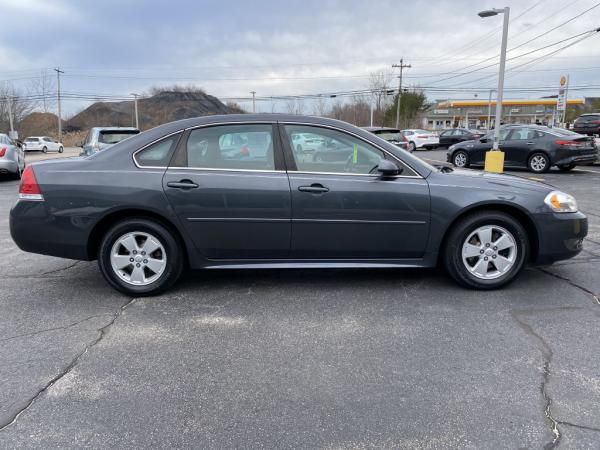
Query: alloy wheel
pixel 538 163
pixel 138 258
pixel 489 252
pixel 460 159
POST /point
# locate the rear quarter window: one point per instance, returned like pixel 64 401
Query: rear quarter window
pixel 157 154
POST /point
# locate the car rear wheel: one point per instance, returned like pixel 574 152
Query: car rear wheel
pixel 45 149
pixel 538 163
pixel 486 250
pixel 566 168
pixel 461 159
pixel 140 257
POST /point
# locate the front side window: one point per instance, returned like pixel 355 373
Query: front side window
pixel 523 134
pixel 157 154
pixel 336 152
pixel 235 147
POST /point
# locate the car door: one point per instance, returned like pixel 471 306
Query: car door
pixel 517 146
pixel 346 210
pixel 234 203
pixel 446 138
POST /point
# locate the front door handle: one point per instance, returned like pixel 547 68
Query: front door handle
pixel 314 188
pixel 530 143
pixel 182 184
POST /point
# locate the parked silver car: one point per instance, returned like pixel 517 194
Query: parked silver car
pixel 12 158
pixel 101 138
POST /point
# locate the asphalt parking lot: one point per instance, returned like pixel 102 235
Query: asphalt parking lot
pixel 302 359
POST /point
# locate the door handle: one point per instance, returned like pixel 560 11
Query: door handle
pixel 183 184
pixel 314 189
pixel 530 143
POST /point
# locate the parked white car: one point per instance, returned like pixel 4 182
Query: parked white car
pixel 306 142
pixel 421 139
pixel 42 144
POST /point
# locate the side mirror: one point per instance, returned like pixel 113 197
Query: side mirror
pixel 388 168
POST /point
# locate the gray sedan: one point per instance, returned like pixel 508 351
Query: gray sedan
pixel 177 196
pixel 12 158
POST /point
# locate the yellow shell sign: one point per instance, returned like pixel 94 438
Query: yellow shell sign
pixel 563 80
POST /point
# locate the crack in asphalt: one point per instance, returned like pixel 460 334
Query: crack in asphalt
pixel 101 333
pixel 47 330
pixel 547 354
pixel 572 283
pixel 45 274
pixel 581 427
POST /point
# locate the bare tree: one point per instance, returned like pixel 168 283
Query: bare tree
pixel 44 90
pixel 379 84
pixel 20 104
pixel 320 106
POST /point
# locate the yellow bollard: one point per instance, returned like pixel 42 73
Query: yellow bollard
pixel 494 161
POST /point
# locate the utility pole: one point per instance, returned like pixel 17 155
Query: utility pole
pixel 58 72
pixel 401 66
pixel 253 101
pixel 10 116
pixel 135 108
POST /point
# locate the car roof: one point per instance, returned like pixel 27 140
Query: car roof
pixel 115 128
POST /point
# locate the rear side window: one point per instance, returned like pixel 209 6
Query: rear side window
pixel 234 147
pixel 32 140
pixel 115 136
pixel 157 154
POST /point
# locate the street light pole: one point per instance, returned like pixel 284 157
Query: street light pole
pixel 135 108
pixel 489 118
pixel 496 162
pixel 253 101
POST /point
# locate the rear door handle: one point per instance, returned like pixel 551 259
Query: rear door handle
pixel 182 184
pixel 314 188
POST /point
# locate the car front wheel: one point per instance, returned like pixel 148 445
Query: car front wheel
pixel 45 149
pixel 140 257
pixel 486 250
pixel 60 149
pixel 538 163
pixel 460 159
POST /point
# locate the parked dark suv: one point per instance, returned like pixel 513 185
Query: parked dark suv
pixel 587 124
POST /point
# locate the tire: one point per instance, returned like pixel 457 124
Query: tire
pixel 566 168
pixel 467 230
pixel 412 146
pixel 60 149
pixel 45 150
pixel 538 163
pixel 460 158
pixel 168 257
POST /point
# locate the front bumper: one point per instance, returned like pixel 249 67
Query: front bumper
pixel 8 166
pixel 560 235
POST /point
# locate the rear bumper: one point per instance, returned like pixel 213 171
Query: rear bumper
pixel 560 236
pixel 588 157
pixel 36 231
pixel 8 166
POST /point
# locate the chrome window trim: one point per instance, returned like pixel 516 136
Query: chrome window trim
pixel 372 144
pixel 266 122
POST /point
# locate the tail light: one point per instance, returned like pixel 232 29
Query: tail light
pixel 2 151
pixel 569 143
pixel 595 121
pixel 29 188
pixel 422 137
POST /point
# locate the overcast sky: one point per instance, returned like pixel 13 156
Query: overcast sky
pixel 230 48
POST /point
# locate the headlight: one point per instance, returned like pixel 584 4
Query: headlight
pixel 561 202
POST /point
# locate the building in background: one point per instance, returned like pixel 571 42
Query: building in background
pixel 474 114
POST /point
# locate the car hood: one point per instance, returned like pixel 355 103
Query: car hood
pixel 479 179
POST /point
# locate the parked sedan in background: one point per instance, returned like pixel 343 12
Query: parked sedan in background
pixel 101 138
pixel 450 137
pixel 392 135
pixel 535 147
pixel 42 144
pixel 421 139
pixel 12 158
pixel 170 197
pixel 587 124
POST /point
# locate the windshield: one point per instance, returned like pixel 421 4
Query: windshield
pixel 114 136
